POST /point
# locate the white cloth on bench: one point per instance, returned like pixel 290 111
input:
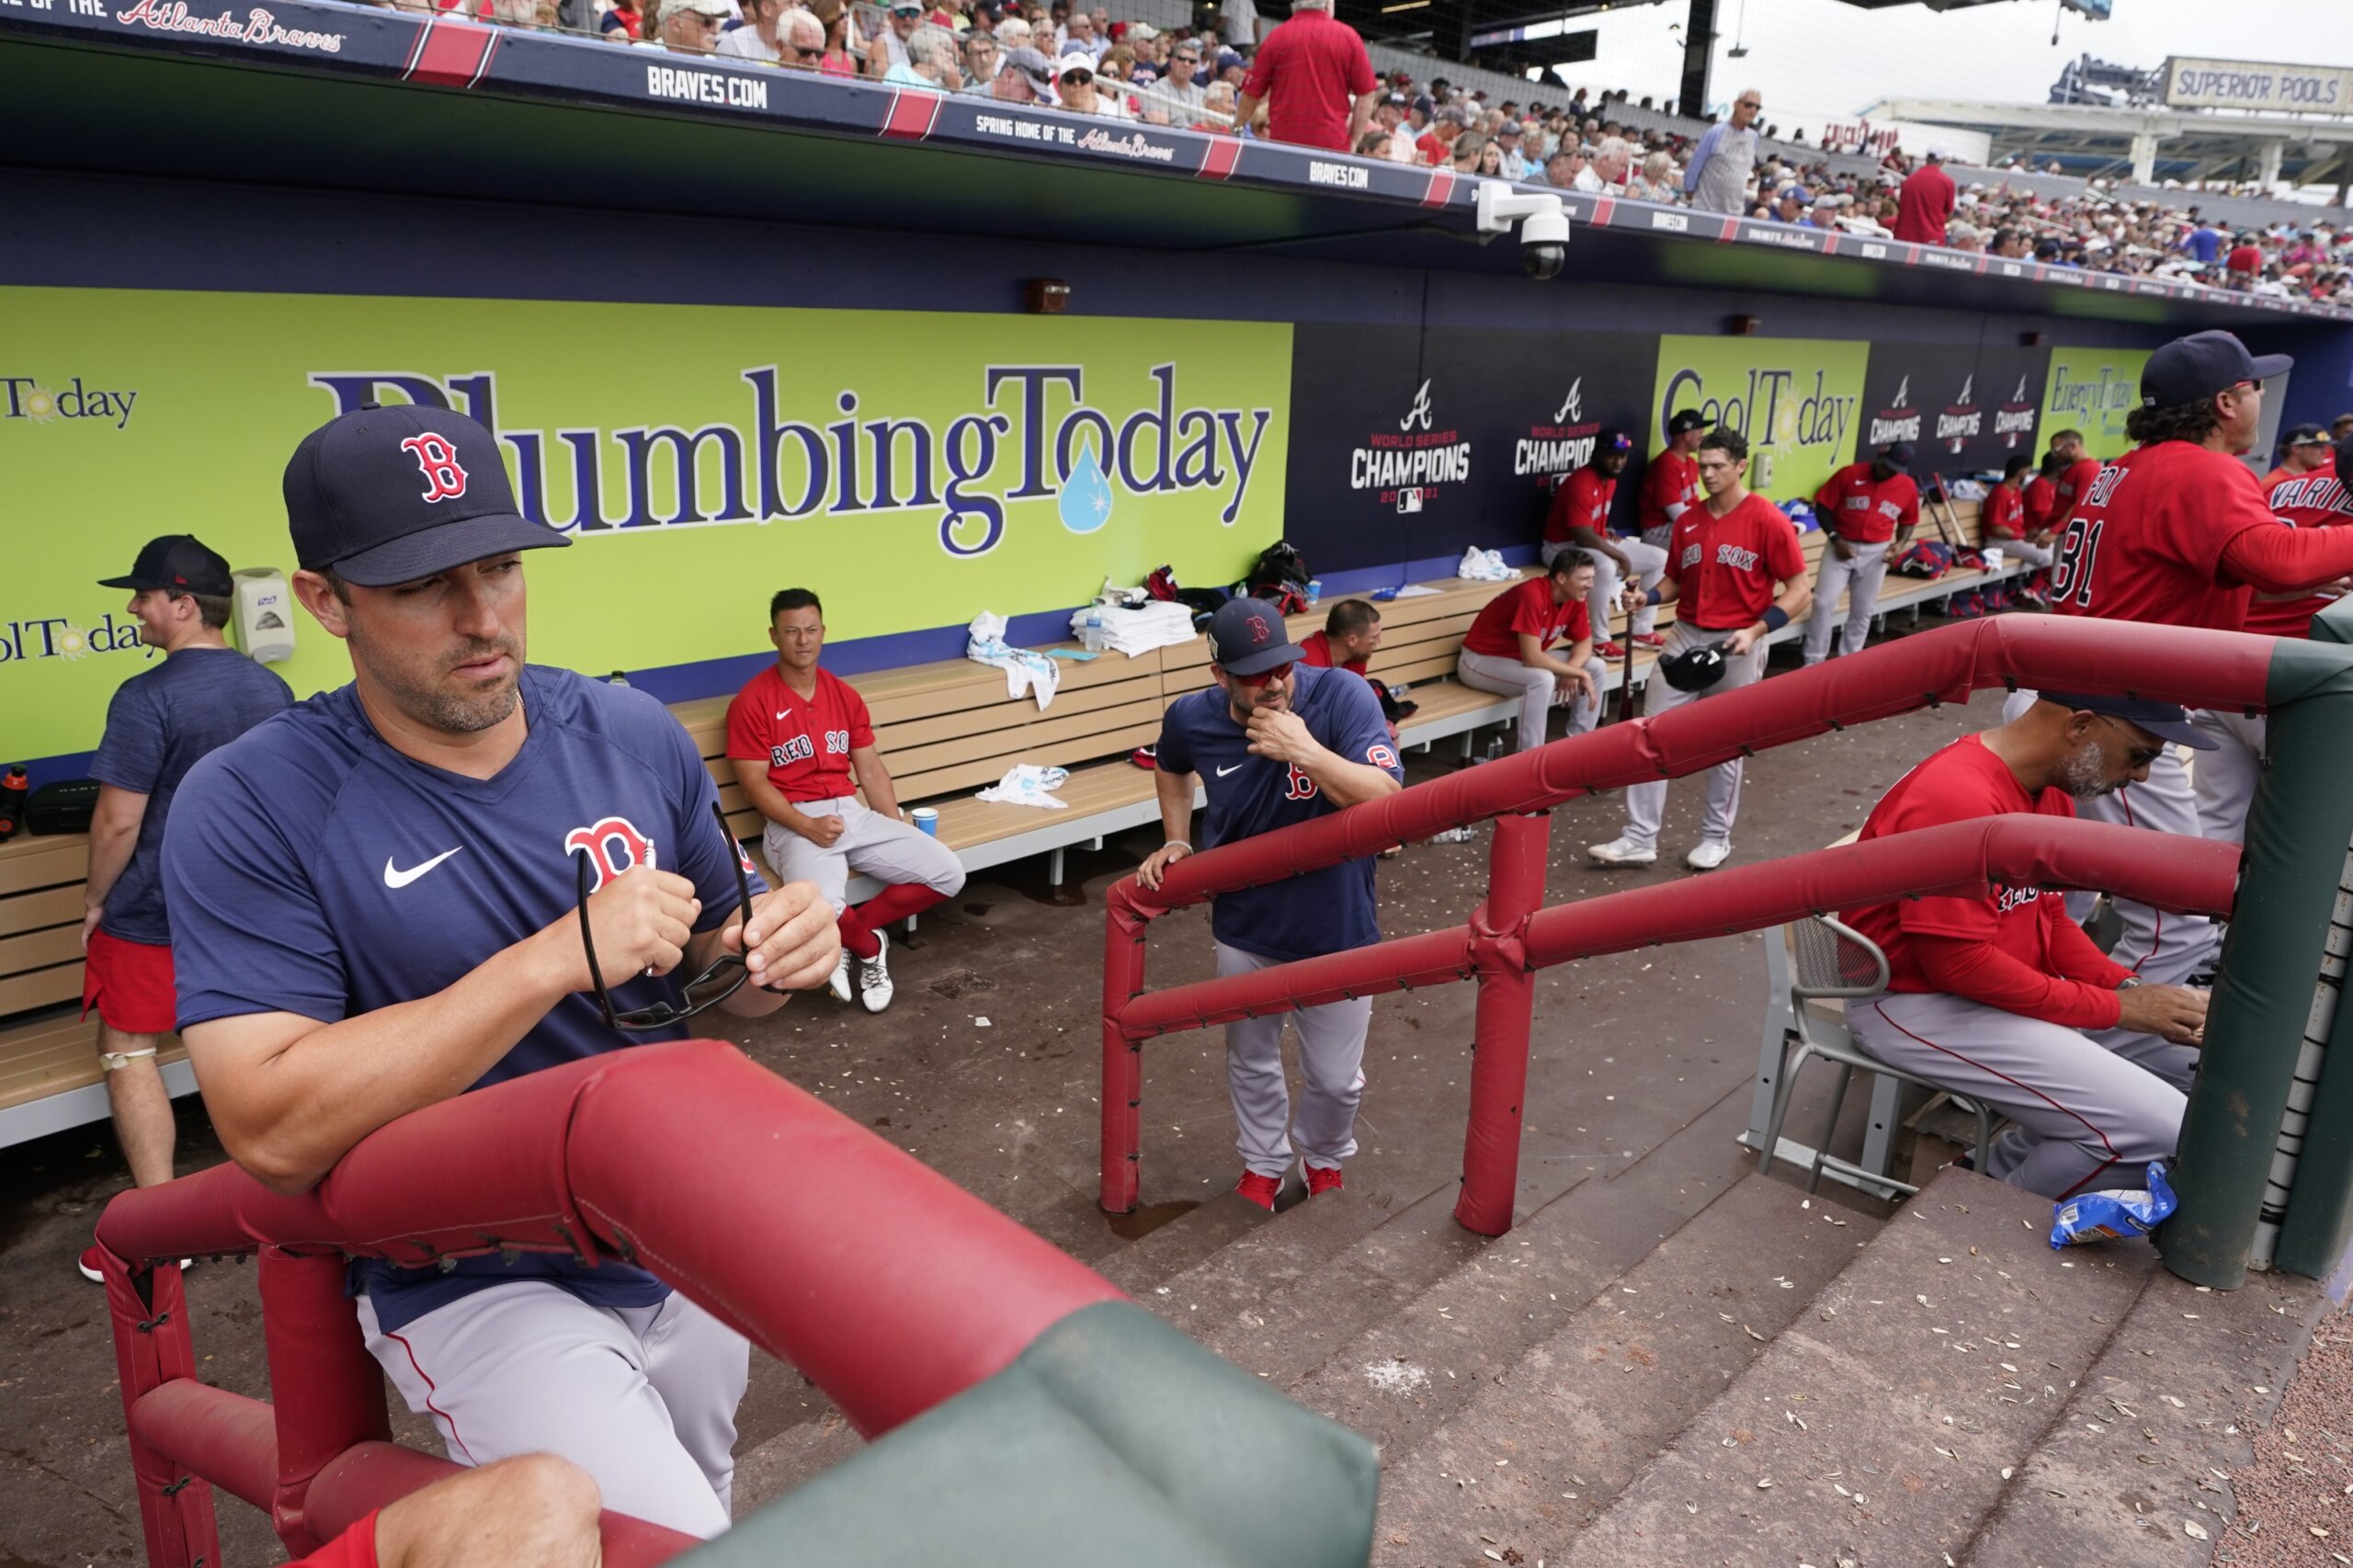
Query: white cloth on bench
pixel 1164 623
pixel 1025 671
pixel 1026 784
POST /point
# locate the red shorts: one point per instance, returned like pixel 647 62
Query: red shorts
pixel 131 985
pixel 354 1547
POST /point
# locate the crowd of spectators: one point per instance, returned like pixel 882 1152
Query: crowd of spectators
pixel 1309 81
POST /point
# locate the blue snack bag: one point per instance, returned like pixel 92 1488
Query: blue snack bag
pixel 2108 1216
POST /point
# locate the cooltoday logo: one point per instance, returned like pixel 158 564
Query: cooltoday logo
pixel 62 637
pixel 1406 465
pixel 1796 400
pixel 1031 435
pixel 1561 443
pixel 38 403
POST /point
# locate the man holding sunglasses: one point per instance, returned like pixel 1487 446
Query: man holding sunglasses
pixel 455 871
pixel 1991 995
pixel 1278 742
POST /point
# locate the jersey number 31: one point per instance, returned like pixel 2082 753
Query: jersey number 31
pixel 2078 550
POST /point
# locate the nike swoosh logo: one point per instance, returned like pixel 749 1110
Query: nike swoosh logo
pixel 1223 771
pixel 394 878
pixel 781 712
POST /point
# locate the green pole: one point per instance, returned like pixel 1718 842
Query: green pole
pixel 2320 1210
pixel 2297 832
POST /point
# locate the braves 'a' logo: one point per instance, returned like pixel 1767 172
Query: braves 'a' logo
pixel 613 845
pixel 1420 412
pixel 438 461
pixel 1572 406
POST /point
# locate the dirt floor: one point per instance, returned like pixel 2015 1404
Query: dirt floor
pixel 2295 1501
pixel 986 1068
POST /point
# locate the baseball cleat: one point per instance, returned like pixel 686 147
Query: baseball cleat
pixel 1609 649
pixel 874 988
pixel 1648 640
pixel 1622 852
pixel 838 982
pixel 1321 1178
pixel 1707 855
pixel 1260 1190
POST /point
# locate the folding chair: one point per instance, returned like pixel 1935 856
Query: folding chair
pixel 1834 962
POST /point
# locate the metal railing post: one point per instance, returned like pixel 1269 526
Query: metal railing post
pixel 1503 1015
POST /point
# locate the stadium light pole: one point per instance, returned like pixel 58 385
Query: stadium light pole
pixel 1699 46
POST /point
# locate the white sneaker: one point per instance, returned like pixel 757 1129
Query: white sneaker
pixel 1707 855
pixel 838 982
pixel 1622 852
pixel 874 988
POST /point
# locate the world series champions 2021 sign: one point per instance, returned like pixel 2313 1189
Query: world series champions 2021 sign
pixel 1963 409
pixel 915 468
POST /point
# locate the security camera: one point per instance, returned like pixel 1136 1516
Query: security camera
pixel 1544 226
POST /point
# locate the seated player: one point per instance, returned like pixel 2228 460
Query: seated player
pixel 2005 519
pixel 1351 632
pixel 802 746
pixel 1579 519
pixel 1507 650
pixel 1991 996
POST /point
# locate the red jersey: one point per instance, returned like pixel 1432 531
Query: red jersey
pixel 1317 647
pixel 1310 70
pixel 1582 502
pixel 1965 782
pixel 1527 608
pixel 2004 513
pixel 2071 488
pixel 806 742
pixel 1865 511
pixel 1726 568
pixel 2146 541
pixel 1672 480
pixel 2315 500
pixel 2039 500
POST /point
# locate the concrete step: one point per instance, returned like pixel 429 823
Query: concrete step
pixel 1925 1376
pixel 1527 1452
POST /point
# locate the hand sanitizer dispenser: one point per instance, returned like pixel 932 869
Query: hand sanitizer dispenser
pixel 264 614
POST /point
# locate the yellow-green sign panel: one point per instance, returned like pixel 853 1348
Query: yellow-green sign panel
pixel 1796 400
pixel 2092 390
pixel 913 468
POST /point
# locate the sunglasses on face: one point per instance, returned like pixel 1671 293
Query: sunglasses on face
pixel 1076 78
pixel 2139 756
pixel 715 984
pixel 1262 677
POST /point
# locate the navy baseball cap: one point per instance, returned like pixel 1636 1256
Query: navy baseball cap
pixel 1686 420
pixel 1612 440
pixel 2192 368
pixel 1247 636
pixel 1898 455
pixel 389 494
pixel 179 563
pixel 2164 720
pixel 2304 436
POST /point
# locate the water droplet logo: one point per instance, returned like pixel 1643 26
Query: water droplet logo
pixel 1086 495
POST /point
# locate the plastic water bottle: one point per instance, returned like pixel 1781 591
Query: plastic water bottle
pixel 1090 636
pixel 1451 836
pixel 616 679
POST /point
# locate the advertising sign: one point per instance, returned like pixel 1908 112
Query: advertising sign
pixel 1387 456
pixel 2277 89
pixel 1798 400
pixel 1962 408
pixel 915 468
pixel 1538 401
pixel 2092 390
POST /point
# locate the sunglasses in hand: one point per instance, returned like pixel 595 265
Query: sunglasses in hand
pixel 722 979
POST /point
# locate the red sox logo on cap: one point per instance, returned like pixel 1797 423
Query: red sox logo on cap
pixel 437 460
pixel 1258 631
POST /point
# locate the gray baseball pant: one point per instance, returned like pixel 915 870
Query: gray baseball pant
pixel 1646 803
pixel 641 1398
pixel 2085 1117
pixel 1534 687
pixel 1860 577
pixel 2023 549
pixel 871 845
pixel 2224 780
pixel 1331 1070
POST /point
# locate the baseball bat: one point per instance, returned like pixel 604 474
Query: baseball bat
pixel 1626 680
pixel 1941 513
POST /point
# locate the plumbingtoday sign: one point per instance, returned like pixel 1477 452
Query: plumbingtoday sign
pixel 1796 400
pixel 913 468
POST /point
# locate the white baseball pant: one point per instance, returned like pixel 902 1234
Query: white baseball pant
pixel 1660 537
pixel 1649 562
pixel 641 1398
pixel 2024 549
pixel 1534 687
pixel 2224 780
pixel 1331 1070
pixel 1646 803
pixel 871 845
pixel 2084 1117
pixel 1860 577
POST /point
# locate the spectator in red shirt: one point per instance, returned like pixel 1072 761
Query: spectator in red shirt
pixel 1926 203
pixel 2244 262
pixel 1313 74
pixel 1436 143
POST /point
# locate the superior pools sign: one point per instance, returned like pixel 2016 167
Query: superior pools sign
pixel 2279 89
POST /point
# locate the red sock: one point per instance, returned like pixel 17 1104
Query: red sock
pixel 856 936
pixel 896 903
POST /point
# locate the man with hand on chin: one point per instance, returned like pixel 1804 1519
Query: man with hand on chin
pixel 455 871
pixel 1278 742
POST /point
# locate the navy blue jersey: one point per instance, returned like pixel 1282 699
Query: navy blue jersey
pixel 1328 911
pixel 161 723
pixel 313 870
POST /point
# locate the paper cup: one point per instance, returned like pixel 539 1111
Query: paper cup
pixel 927 820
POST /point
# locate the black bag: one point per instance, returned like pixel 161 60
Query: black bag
pixel 64 805
pixel 1279 574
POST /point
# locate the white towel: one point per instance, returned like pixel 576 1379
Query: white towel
pixel 1026 784
pixel 1484 566
pixel 1024 670
pixel 1164 623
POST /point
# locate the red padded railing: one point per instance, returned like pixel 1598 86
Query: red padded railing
pixel 890 1287
pixel 1507 937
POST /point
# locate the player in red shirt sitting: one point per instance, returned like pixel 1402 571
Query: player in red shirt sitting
pixel 1507 650
pixel 2005 519
pixel 2040 498
pixel 2072 481
pixel 1579 519
pixel 1671 482
pixel 803 745
pixel 1868 510
pixel 1351 632
pixel 1737 573
pixel 1989 995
